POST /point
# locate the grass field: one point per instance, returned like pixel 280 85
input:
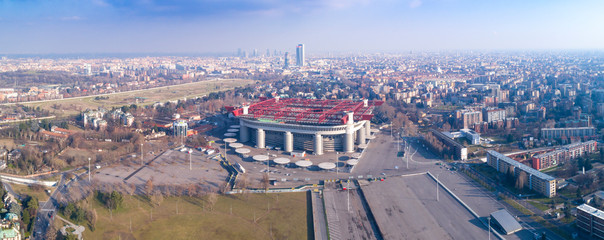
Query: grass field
pixel 72 106
pixel 23 190
pixel 232 217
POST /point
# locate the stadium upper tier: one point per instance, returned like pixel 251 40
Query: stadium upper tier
pixel 306 111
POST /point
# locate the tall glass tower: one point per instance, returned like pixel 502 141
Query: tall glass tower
pixel 300 55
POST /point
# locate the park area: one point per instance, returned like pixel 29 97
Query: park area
pixel 73 106
pixel 245 216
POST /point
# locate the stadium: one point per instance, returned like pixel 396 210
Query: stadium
pixel 313 125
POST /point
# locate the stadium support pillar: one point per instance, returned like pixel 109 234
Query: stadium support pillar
pixel 289 142
pixel 260 138
pixel 348 140
pixel 243 132
pixel 318 145
pixel 361 136
pixel 367 128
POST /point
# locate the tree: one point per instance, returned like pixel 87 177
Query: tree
pixel 580 163
pixel 15 208
pixel 91 217
pixel 265 181
pixel 521 180
pixel 587 164
pixel 116 199
pixel 567 210
pixel 157 198
pixel 51 232
pixel 149 187
pixel 26 219
pixel 212 199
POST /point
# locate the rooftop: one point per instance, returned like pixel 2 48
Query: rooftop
pixel 506 221
pixel 591 210
pixel 307 111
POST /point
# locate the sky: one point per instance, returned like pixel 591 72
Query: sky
pixel 223 26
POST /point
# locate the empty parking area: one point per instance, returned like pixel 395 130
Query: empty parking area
pixel 170 168
pixel 345 222
pixel 406 208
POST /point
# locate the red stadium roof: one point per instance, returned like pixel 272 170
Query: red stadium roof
pixel 307 111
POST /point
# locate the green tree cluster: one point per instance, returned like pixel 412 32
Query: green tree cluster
pixel 111 200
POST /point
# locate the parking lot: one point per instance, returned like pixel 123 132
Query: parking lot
pixel 406 208
pixel 169 168
pixel 346 217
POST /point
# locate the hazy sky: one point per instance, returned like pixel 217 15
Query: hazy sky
pixel 199 26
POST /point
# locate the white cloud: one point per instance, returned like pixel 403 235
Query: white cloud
pixel 72 18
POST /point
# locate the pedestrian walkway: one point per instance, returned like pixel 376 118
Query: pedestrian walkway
pixel 78 230
pixel 318 216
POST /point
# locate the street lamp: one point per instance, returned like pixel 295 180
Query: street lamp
pixel 437 183
pixel 142 154
pixel 489 219
pixel 337 163
pixel 89 170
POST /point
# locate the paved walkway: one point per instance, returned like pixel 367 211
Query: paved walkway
pixel 318 216
pixel 78 229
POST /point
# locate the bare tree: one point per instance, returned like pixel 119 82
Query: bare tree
pixel 212 198
pixel 521 180
pixel 157 198
pixel 265 181
pixel 149 187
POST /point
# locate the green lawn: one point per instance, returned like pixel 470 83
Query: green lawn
pixel 22 190
pixel 539 205
pixel 287 218
pixel 516 205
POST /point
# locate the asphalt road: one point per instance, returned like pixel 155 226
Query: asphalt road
pixel 46 211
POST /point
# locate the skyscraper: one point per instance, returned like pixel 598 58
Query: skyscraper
pixel 300 55
pixel 286 65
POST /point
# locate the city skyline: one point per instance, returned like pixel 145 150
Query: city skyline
pixel 100 26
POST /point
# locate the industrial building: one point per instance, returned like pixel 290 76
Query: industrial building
pixel 591 220
pixel 537 181
pixel 306 124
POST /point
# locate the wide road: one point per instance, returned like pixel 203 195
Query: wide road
pixel 46 211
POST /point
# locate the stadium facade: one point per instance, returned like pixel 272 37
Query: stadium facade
pixel 306 124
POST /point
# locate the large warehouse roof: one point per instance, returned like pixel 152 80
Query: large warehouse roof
pixel 307 111
pixel 506 221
